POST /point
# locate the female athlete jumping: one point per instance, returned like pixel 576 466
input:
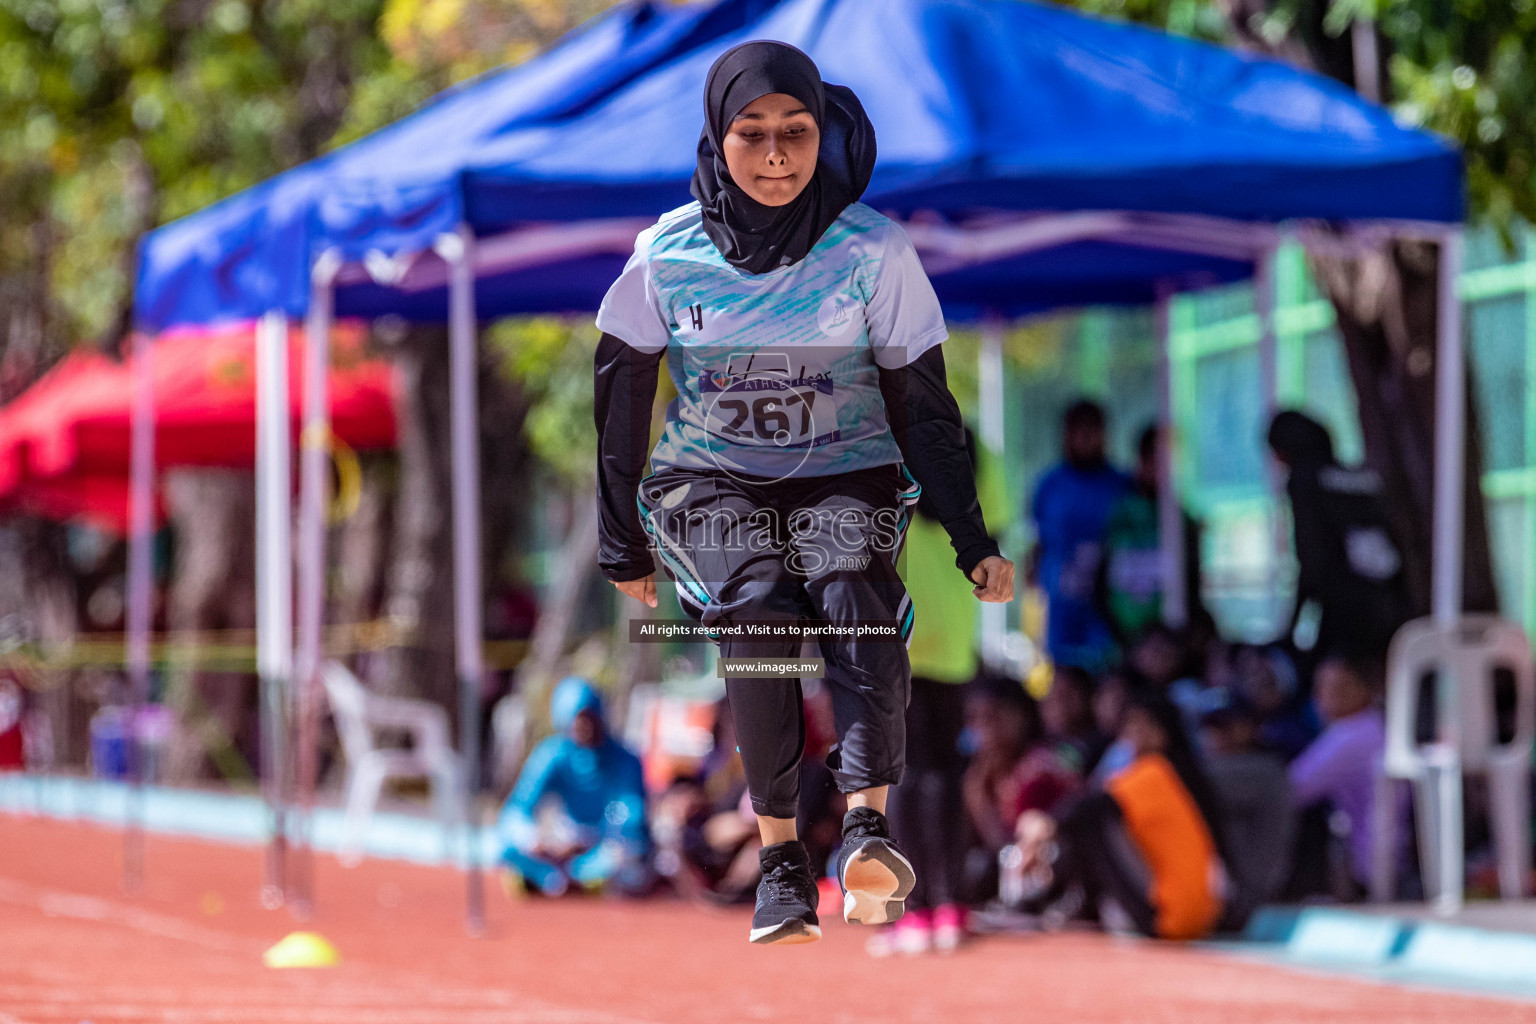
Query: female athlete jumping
pixel 804 342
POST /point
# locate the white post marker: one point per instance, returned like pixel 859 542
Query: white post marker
pixel 274 581
pixel 140 587
pixel 458 251
pixel 313 485
pixel 1169 516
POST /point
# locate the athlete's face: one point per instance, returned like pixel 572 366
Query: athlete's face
pixel 771 147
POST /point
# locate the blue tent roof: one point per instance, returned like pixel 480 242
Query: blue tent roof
pixel 397 189
pixel 979 106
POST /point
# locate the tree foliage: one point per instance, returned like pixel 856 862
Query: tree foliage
pixel 551 359
pixel 434 44
pixel 116 115
pixel 1459 67
pixel 1463 68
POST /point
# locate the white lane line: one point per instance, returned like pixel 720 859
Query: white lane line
pixel 53 903
pixel 503 1007
pixel 318 1015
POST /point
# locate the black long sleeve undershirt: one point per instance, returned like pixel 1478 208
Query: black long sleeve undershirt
pixel 625 389
pixel 930 432
pixel 923 416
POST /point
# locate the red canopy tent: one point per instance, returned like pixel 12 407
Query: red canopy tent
pixel 65 442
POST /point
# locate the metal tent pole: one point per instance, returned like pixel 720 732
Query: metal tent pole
pixel 994 617
pixel 1446 582
pixel 1450 450
pixel 1269 374
pixel 1169 516
pixel 313 485
pixel 458 250
pixel 274 581
pixel 140 596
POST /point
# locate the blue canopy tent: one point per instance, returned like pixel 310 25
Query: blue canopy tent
pixel 981 106
pixel 1039 159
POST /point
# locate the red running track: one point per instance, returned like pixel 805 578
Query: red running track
pixel 188 950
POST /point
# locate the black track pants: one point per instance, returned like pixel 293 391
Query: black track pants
pixel 822 549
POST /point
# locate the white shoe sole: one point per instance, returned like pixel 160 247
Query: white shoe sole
pixel 792 932
pixel 876 882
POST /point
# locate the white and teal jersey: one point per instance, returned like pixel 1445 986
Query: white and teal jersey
pixel 776 374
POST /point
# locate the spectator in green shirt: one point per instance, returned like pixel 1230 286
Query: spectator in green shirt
pixel 926 809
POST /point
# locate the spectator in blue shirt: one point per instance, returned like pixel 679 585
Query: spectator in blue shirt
pixel 597 838
pixel 1070 510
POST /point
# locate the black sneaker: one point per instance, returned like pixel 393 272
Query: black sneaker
pixel 786 897
pixel 876 878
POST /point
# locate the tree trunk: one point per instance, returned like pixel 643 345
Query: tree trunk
pixel 1386 307
pixel 1387 310
pixel 637 662
pixel 213 588
pixel 578 558
pixel 506 469
pixel 420 586
pixel 421 593
pixel 362 544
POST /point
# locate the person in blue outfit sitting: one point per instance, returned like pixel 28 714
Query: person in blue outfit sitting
pixel 599 838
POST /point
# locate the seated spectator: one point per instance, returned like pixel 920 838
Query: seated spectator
pixel 1109 703
pixel 1159 655
pixel 1220 664
pixel 1254 793
pixel 704 827
pixel 1013 769
pixel 577 813
pixel 1338 770
pixel 708 851
pixel 1164 659
pixel 721 773
pixel 1066 711
pixel 1142 849
pixel 1265 677
pixel 695 846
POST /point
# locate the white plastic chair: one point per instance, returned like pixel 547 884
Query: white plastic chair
pixel 358 714
pixel 1463 658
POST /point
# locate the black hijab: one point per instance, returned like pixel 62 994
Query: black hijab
pixel 758 238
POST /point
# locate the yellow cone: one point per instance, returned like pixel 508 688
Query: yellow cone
pixel 301 949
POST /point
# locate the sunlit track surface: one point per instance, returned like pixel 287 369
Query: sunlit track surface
pixel 74 948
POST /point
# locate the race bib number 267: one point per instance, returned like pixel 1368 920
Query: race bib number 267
pixel 767 409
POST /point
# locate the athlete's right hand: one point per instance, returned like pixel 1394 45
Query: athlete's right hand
pixel 643 589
